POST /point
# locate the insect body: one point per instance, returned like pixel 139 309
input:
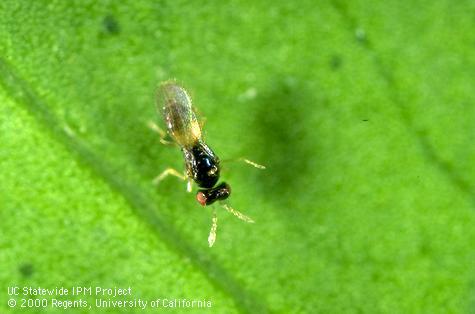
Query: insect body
pixel 201 163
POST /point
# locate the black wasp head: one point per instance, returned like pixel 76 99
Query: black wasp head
pixel 206 168
pixel 209 196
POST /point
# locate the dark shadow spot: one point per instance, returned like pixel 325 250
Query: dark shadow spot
pixel 376 276
pixel 282 133
pixel 26 270
pixel 425 249
pixel 336 62
pixel 361 36
pixel 110 25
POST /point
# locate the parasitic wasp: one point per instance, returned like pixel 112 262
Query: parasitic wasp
pixel 202 165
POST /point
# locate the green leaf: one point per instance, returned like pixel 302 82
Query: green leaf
pixel 362 112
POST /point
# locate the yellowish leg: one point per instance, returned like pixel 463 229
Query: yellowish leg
pixel 172 172
pixel 214 227
pixel 154 127
pixel 168 172
pixel 189 185
pixel 238 214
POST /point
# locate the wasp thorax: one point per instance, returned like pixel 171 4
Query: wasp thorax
pixel 205 167
pixel 207 172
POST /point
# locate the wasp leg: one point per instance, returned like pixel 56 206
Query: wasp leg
pixel 238 214
pixel 175 173
pixel 189 185
pixel 168 172
pixel 247 161
pixel 214 227
pixel 163 135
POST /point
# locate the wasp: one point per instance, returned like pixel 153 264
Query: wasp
pixel 202 165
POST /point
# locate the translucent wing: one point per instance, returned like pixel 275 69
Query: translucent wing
pixel 175 105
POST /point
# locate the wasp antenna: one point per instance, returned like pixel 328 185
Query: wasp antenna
pixel 238 214
pixel 249 162
pixel 214 227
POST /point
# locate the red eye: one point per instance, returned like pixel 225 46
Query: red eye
pixel 201 198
